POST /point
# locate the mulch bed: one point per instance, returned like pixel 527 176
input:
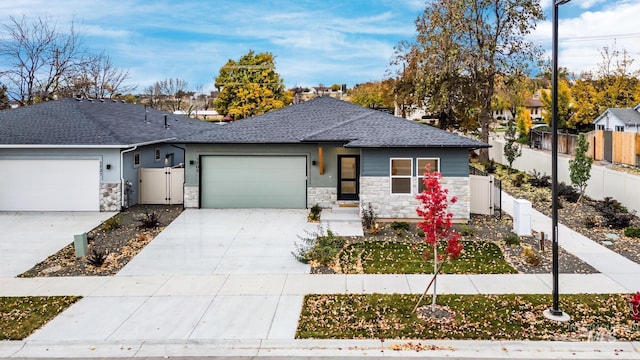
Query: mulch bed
pixel 119 244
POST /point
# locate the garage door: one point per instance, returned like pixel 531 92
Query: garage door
pixel 49 185
pixel 254 182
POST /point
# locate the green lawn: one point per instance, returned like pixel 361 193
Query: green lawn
pixel 21 316
pixel 404 258
pixel 478 317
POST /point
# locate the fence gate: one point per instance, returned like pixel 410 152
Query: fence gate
pixel 161 186
pixel 482 194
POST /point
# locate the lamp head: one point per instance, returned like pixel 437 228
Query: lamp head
pixel 561 2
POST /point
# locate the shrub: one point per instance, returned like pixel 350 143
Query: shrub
pixel 466 230
pixel 632 231
pixel 511 239
pixel 314 213
pixel 568 192
pixel 539 180
pixel 368 217
pixel 615 215
pixel 531 257
pixel 490 167
pixel 591 222
pixel 149 220
pixel 111 223
pixel 400 225
pixel 96 257
pixel 319 246
pixel 518 180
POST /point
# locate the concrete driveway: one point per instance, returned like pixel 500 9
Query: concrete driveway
pixel 212 274
pixel 225 241
pixel 27 238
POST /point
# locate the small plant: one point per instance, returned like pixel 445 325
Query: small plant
pixel 96 257
pixel 511 239
pixel 314 213
pixel 632 231
pixel 111 223
pixel 369 217
pixel 539 180
pixel 518 181
pixel 321 247
pixel 615 215
pixel 466 230
pixel 490 167
pixel 149 220
pixel 569 193
pixel 400 225
pixel 591 222
pixel 531 257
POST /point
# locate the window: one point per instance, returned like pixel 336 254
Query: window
pixel 158 154
pixel 136 159
pixel 619 127
pixel 421 163
pixel 599 127
pixel 401 176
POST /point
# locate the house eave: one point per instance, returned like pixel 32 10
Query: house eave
pixel 80 146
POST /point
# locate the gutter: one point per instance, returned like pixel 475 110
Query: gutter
pixel 52 146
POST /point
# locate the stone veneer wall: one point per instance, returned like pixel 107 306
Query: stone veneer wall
pixel 110 197
pixel 377 191
pixel 326 197
pixel 191 197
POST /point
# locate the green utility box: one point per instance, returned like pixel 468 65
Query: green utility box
pixel 80 244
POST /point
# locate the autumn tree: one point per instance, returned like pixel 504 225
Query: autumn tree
pixel 373 95
pixel 99 78
pixel 437 225
pixel 250 86
pixel 523 121
pixel 580 167
pixel 460 48
pixel 565 105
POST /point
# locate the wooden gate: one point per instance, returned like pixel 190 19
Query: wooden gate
pixel 161 186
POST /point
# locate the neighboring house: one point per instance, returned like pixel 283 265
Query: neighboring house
pixel 616 119
pixel 534 105
pixel 324 151
pixel 80 154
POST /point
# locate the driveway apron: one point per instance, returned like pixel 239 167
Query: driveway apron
pixel 219 253
pixel 27 238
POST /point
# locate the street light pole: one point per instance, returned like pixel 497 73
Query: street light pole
pixel 554 312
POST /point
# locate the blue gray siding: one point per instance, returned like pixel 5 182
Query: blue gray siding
pixel 453 162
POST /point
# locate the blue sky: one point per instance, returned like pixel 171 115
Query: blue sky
pixel 347 41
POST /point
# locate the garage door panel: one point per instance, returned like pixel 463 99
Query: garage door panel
pixel 253 181
pixel 50 185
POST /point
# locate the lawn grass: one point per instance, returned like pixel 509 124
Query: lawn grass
pixel 478 317
pixel 478 257
pixel 21 316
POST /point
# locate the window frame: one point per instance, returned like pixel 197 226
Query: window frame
pixel 619 128
pixel 599 127
pixel 157 154
pixel 392 176
pixel 420 172
pixel 137 159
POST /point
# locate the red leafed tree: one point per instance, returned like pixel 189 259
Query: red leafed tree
pixel 437 224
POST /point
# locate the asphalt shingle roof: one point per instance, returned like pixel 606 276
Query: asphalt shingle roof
pixel 628 116
pixel 325 119
pixel 93 123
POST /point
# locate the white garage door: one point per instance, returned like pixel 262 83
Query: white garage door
pixel 254 182
pixel 49 185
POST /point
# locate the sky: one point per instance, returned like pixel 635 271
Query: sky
pixel 314 41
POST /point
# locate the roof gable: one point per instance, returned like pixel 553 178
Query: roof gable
pixel 627 116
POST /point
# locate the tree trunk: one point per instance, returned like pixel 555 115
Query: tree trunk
pixel 435 273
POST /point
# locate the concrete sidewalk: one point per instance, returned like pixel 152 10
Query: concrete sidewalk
pixel 611 264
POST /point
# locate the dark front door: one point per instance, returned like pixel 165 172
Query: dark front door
pixel 348 177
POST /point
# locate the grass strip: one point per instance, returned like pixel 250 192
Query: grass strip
pixel 478 257
pixel 21 316
pixel 478 317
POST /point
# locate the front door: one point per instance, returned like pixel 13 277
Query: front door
pixel 348 177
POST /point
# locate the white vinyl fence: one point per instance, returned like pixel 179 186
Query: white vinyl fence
pixel 161 186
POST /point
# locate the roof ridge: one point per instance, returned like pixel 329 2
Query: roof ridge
pixel 335 126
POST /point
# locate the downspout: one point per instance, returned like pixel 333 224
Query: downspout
pixel 122 174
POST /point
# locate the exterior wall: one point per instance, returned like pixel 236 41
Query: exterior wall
pixel 191 196
pixel 376 190
pixel 453 162
pixel 110 197
pixel 326 197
